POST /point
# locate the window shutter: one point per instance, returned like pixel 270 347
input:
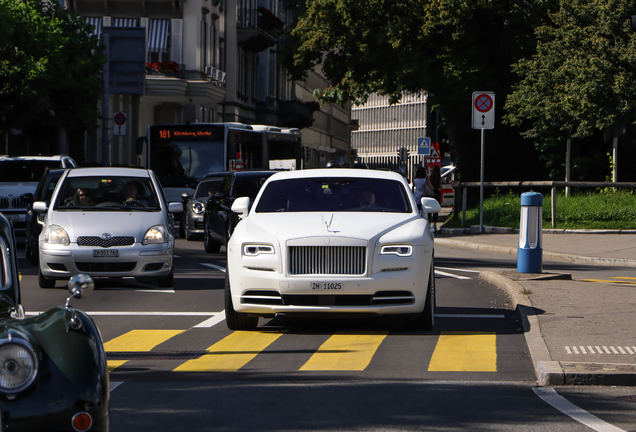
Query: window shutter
pixel 176 41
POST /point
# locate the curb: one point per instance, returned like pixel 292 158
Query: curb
pixel 547 256
pixel 549 372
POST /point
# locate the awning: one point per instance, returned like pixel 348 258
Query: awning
pixel 97 23
pixel 158 36
pixel 125 22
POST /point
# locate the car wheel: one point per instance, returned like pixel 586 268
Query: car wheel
pixel 209 245
pixel 182 225
pixel 44 281
pixel 166 282
pixel 34 257
pixel 425 320
pixel 188 234
pixel 233 319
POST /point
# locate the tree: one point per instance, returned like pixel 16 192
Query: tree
pixel 582 77
pixel 49 68
pixel 448 48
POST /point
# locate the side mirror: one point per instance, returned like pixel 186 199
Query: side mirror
pixel 242 206
pixel 80 286
pixel 175 207
pixel 40 206
pixel 184 197
pixel 430 205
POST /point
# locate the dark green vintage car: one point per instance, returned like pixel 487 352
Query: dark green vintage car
pixel 53 372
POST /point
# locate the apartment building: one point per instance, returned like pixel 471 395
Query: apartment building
pixel 383 129
pixel 213 61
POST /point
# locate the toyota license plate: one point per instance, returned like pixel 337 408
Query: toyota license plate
pixel 326 285
pixel 109 253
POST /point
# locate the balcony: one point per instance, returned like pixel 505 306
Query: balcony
pixel 254 28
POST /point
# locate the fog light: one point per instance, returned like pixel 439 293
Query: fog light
pixel 82 421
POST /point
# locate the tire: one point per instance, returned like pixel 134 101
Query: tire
pixel 187 233
pixel 209 245
pixel 233 319
pixel 425 320
pixel 45 282
pixel 166 282
pixel 182 224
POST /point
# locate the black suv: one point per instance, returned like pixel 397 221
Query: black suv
pixel 20 175
pixel 43 192
pixel 220 220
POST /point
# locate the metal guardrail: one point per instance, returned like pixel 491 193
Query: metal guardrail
pixel 460 199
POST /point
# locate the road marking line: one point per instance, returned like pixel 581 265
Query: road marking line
pixel 441 273
pixel 608 281
pixel 606 350
pixel 599 350
pixel 469 316
pixel 114 364
pixel 210 322
pixel 115 384
pixel 629 350
pixel 456 269
pixel 465 352
pixel 346 351
pixel 567 349
pixel 231 353
pixel 614 350
pixel 552 398
pixel 133 313
pixel 576 350
pixel 583 349
pixel 622 350
pixel 216 267
pixel 139 340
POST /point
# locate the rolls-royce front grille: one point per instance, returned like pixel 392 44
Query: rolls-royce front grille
pixel 100 242
pixel 327 260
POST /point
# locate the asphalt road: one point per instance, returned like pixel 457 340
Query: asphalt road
pixel 176 366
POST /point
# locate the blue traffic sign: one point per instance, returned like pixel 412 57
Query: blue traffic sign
pixel 424 146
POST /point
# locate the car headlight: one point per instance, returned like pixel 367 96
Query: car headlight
pixel 198 207
pixel 256 249
pixel 156 234
pixel 18 365
pixel 55 234
pixel 399 250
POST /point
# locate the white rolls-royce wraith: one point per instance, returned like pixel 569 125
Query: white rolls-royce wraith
pixel 331 241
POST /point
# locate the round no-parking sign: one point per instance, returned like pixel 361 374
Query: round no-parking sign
pixel 119 128
pixel 483 110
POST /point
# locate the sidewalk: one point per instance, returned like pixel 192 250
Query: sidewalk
pixel 578 330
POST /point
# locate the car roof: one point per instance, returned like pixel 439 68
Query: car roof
pixel 42 158
pixel 109 171
pixel 337 172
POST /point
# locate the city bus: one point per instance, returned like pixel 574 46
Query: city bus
pixel 183 154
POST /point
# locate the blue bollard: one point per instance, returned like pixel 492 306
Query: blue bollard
pixel 530 252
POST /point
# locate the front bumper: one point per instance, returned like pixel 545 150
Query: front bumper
pixel 62 262
pixel 258 292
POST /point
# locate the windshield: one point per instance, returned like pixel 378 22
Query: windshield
pixel 334 195
pixel 106 193
pixel 178 163
pixel 25 170
pixel 206 189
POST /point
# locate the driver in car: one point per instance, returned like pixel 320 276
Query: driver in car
pixel 131 191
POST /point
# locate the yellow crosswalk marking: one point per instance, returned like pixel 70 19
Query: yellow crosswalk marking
pixel 346 351
pixel 231 353
pixel 114 364
pixel 139 340
pixel 465 352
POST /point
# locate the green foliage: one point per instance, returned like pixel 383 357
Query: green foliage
pixel 586 210
pixel 49 67
pixel 581 78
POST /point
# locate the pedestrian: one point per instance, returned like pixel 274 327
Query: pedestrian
pixel 434 182
pixel 420 187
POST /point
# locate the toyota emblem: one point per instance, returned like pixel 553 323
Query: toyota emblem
pixel 106 236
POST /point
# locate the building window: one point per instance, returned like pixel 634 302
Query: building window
pixel 158 38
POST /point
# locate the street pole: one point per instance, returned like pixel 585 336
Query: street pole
pixel 106 103
pixel 481 185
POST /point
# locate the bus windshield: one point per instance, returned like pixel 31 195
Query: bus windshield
pixel 178 163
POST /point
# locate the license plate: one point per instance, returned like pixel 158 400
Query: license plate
pixel 13 217
pixel 105 252
pixel 326 285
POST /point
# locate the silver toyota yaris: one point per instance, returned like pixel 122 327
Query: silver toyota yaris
pixel 107 222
